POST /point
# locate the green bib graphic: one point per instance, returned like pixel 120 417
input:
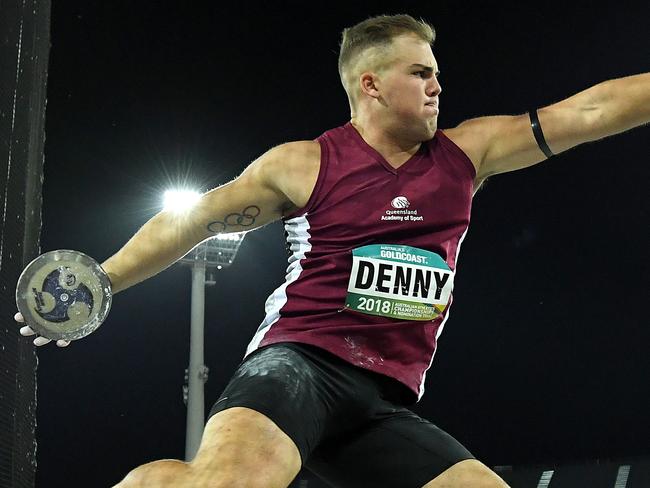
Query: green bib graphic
pixel 397 281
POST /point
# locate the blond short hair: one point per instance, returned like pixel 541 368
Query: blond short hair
pixel 366 45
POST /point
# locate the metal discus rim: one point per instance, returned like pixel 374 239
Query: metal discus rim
pixel 81 295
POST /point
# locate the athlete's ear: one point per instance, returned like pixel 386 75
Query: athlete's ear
pixel 369 84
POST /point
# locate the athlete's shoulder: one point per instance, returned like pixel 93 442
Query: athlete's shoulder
pixel 294 158
pixel 293 168
pixel 463 137
pixel 299 150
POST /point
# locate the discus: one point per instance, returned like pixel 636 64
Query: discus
pixel 64 294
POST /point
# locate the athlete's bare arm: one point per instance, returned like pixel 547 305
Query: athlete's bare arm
pixel 275 184
pixel 499 144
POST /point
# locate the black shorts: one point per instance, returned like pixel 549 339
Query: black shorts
pixel 349 424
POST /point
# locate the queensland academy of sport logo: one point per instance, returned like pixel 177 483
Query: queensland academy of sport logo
pixel 400 202
pixel 401 212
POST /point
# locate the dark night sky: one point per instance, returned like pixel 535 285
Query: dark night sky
pixel 545 356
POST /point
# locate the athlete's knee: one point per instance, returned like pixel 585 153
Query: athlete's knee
pixel 468 473
pixel 165 473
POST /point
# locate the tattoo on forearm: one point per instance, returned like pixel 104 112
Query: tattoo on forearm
pixel 244 219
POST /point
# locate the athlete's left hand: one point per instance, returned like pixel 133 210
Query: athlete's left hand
pixel 40 340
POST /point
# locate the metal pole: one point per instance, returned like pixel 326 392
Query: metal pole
pixel 197 372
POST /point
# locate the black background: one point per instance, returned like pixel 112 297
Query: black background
pixel 544 358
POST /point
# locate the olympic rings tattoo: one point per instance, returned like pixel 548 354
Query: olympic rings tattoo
pixel 244 219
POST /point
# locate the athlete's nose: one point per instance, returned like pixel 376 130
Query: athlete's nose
pixel 433 88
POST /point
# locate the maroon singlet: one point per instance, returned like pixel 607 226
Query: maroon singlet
pixel 357 201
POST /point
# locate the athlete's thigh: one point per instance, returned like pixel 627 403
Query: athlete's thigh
pixel 285 386
pixel 240 448
pixel 398 450
pixel 246 448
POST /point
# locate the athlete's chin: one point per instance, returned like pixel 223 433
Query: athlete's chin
pixel 419 129
pixel 431 128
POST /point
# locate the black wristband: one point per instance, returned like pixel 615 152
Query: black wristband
pixel 539 135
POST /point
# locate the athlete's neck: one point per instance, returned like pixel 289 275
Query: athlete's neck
pixel 395 150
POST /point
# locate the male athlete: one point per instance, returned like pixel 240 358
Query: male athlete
pixel 375 212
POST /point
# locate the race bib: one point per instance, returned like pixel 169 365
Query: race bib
pixel 397 281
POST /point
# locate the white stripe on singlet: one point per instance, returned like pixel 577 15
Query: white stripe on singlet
pixel 298 239
pixel 442 325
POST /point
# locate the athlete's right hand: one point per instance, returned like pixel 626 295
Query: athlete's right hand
pixel 40 340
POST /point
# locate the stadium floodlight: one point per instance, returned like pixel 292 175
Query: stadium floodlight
pixel 217 252
pixel 180 200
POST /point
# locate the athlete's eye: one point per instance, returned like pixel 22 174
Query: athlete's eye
pixel 425 74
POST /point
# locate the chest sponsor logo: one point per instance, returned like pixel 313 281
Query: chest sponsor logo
pixel 402 282
pixel 401 212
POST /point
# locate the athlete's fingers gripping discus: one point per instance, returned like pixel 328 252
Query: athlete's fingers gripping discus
pixel 39 341
pixel 62 295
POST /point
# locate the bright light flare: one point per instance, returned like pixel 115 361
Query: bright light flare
pixel 179 201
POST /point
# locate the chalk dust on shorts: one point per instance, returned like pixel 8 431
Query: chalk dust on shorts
pixel 281 364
